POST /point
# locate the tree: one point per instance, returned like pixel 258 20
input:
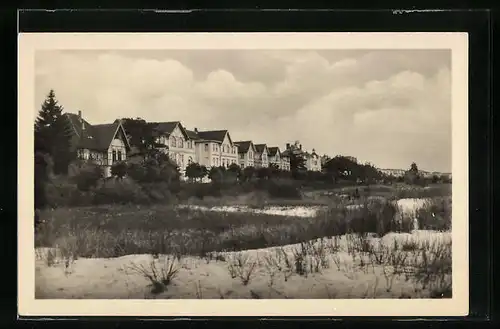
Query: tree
pixel 88 175
pixel 53 134
pixel 248 173
pixel 216 174
pixel 41 179
pixel 339 167
pixel 412 176
pixel 274 171
pixel 119 169
pixel 263 173
pixel 297 165
pixel 142 136
pixel 414 168
pixel 234 171
pixel 203 172
pixel 193 171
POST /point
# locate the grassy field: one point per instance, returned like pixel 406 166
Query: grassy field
pixel 159 244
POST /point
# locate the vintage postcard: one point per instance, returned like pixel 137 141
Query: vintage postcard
pixel 243 174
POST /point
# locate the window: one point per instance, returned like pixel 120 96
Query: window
pixel 206 147
pixel 188 144
pixel 119 155
pixel 182 159
pixel 181 143
pixel 114 155
pixel 172 142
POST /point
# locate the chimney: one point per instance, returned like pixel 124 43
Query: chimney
pixel 300 146
pixel 81 120
pixel 287 146
pixel 196 130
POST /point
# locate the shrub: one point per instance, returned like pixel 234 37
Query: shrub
pixel 158 192
pixel 435 215
pixel 60 192
pixel 85 174
pixel 283 190
pixel 120 192
pixel 119 169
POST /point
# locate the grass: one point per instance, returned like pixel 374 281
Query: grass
pixel 159 276
pixel 117 230
pixel 112 231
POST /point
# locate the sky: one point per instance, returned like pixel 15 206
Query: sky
pixel 388 107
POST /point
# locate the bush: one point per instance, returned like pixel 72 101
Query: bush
pixel 61 193
pixel 120 192
pixel 85 174
pixel 435 215
pixel 119 169
pixel 282 190
pixel 158 192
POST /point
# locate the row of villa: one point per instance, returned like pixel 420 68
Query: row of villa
pixel 108 143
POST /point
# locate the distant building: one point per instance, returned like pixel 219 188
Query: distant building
pixel 179 145
pixel 246 151
pixel 311 160
pixel 274 156
pixel 103 144
pixel 214 148
pixel 261 156
pixel 393 172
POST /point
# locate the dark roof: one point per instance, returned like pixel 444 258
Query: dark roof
pixel 212 135
pixel 260 147
pixel 93 137
pixel 164 127
pixel 168 127
pixel 273 150
pixel 192 134
pixel 243 146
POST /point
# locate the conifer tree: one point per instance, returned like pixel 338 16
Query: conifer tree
pixel 53 134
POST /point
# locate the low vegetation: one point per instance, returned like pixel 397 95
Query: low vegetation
pixel 81 214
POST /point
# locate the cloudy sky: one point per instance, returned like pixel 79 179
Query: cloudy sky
pixel 389 107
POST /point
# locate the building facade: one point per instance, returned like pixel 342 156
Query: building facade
pixel 261 156
pixel 274 155
pixel 246 151
pixel 178 144
pixel 103 144
pixel 313 161
pixel 214 148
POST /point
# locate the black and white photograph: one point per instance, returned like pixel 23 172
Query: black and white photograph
pixel 241 170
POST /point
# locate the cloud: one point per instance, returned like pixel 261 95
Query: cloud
pixel 385 106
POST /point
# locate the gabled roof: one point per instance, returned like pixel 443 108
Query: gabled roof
pixel 273 150
pixel 168 127
pixel 93 137
pixel 244 146
pixel 212 135
pixel 192 135
pixel 260 148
